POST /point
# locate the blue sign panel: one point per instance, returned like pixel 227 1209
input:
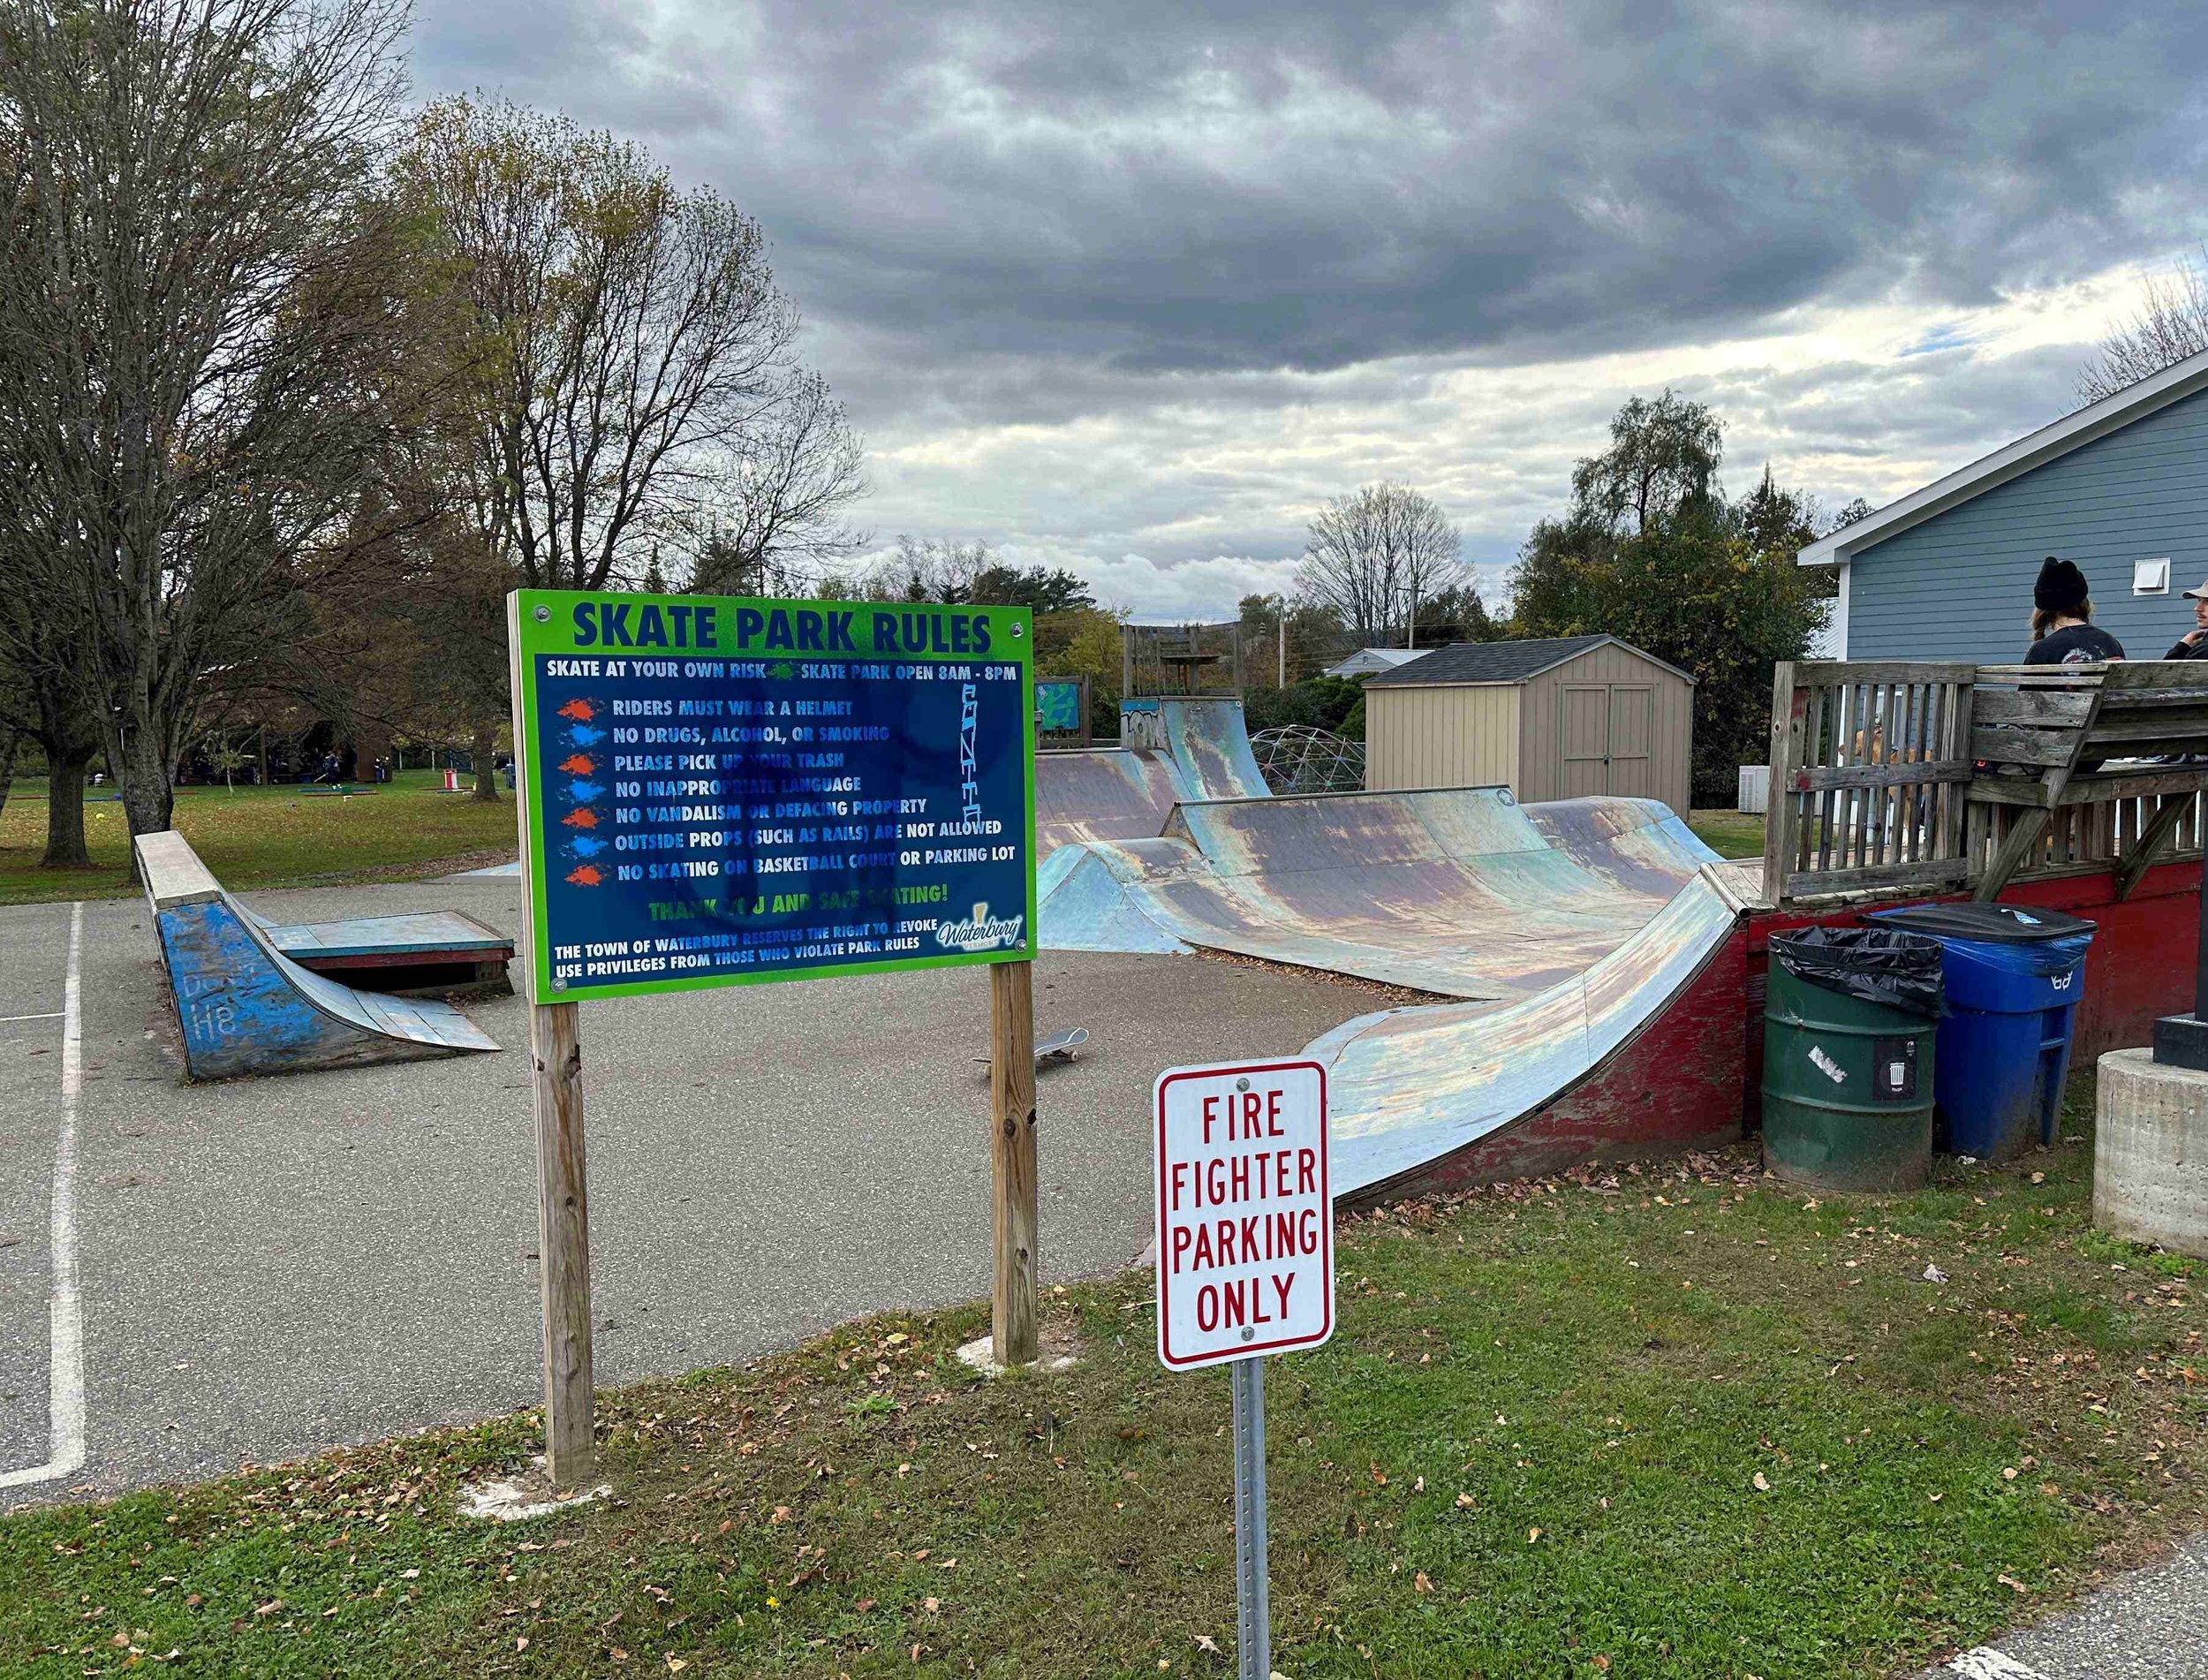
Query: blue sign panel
pixel 769 790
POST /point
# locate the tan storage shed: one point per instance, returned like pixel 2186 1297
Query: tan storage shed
pixel 1551 720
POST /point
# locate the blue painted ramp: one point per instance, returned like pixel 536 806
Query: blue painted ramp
pixel 245 1008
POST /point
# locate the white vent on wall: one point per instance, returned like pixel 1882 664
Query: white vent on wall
pixel 2150 576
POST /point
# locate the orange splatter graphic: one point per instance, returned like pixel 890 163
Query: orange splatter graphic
pixel 585 818
pixel 581 710
pixel 578 764
pixel 587 875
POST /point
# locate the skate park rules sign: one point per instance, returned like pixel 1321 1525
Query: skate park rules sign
pixel 1245 1218
pixel 719 791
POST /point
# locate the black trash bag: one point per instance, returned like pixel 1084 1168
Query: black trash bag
pixel 1876 964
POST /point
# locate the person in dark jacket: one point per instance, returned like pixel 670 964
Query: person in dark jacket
pixel 2062 628
pixel 2194 644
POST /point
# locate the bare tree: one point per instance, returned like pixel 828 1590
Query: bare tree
pixel 2170 324
pixel 634 387
pixel 196 311
pixel 930 569
pixel 1372 558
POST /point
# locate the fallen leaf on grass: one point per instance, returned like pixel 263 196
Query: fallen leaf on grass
pixel 1205 1642
pixel 1531 1535
pixel 1422 1583
pixel 1762 1487
pixel 1463 1502
pixel 2011 1581
pixel 931 1605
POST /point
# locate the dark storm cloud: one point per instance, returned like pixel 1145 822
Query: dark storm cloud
pixel 1130 286
pixel 1205 187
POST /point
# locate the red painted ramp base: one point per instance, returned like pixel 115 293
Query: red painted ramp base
pixel 1675 1085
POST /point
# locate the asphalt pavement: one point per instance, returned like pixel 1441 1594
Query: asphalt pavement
pixel 269 1267
pixel 2149 1626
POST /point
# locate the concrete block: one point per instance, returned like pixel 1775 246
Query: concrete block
pixel 2151 1160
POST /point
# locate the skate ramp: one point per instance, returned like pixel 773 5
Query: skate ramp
pixel 1408 1087
pixel 1461 892
pixel 245 1007
pixel 1102 793
pixel 1209 741
pixel 1561 931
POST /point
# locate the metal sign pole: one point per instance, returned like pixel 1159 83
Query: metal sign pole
pixel 1253 1630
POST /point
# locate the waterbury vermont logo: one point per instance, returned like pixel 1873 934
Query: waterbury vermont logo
pixel 981 931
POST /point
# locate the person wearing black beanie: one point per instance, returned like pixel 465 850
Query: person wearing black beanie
pixel 2062 628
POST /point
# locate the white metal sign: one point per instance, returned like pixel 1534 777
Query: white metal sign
pixel 1245 1217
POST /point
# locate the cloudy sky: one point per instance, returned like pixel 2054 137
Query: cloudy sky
pixel 1131 287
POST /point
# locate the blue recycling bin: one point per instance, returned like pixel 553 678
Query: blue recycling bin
pixel 2013 977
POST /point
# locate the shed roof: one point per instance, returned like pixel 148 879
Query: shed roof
pixel 2113 412
pixel 1376 659
pixel 1502 661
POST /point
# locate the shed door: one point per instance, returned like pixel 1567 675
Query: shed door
pixel 1632 730
pixel 1586 713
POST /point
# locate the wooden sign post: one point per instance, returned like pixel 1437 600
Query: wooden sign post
pixel 1014 1293
pixel 556 1051
pixel 727 792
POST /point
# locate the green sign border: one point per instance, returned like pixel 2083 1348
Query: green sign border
pixel 1012 637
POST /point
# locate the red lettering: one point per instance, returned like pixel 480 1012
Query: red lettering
pixel 1283 1283
pixel 1281 1177
pixel 1252 1236
pixel 1181 1238
pixel 1211 1113
pixel 1225 1241
pixel 1307 1170
pixel 1180 1174
pixel 1207 1298
pixel 1239 1177
pixel 1284 1239
pixel 1273 1114
pixel 1237 1307
pixel 1307 1231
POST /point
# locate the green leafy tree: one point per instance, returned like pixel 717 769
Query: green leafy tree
pixel 1454 614
pixel 1651 551
pixel 1662 461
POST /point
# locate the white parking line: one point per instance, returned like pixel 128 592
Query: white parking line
pixel 50 1015
pixel 65 1441
pixel 1986 1663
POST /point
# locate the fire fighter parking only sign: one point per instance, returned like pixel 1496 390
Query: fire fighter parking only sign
pixel 1245 1227
pixel 1245 1265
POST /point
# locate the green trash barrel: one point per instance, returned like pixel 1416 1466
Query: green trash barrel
pixel 1849 1015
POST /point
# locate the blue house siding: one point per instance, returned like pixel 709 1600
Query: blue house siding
pixel 1958 585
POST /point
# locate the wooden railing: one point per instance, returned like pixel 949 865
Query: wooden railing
pixel 1868 761
pixel 1896 777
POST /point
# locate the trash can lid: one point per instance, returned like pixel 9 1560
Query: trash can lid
pixel 1994 924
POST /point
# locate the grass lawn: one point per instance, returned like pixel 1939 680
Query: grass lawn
pixel 1730 834
pixel 1667 1422
pixel 272 836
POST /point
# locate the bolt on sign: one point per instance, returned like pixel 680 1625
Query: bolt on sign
pixel 1245 1225
pixel 720 792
